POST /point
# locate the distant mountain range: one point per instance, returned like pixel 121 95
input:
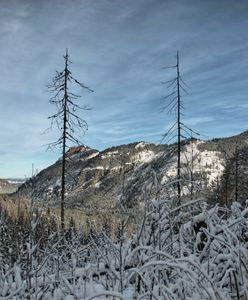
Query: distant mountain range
pixel 127 173
pixel 10 185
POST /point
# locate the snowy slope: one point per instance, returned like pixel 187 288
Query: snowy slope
pixel 102 178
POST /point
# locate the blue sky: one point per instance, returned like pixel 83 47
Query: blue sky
pixel 118 48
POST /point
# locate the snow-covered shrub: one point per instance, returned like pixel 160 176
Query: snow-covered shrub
pixel 187 252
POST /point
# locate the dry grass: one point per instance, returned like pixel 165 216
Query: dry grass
pixel 13 208
pixel 87 220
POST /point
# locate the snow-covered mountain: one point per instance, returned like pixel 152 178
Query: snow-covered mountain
pixel 10 185
pixel 123 173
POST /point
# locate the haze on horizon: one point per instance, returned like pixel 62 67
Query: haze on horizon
pixel 119 48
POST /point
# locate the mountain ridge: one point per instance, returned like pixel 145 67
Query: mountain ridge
pixel 120 173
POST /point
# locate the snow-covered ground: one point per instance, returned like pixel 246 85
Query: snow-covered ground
pixel 188 252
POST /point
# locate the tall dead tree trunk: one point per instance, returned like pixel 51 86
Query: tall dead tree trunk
pixel 67 121
pixel 236 172
pixel 178 133
pixel 62 212
pixel 175 132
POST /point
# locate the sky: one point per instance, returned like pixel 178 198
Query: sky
pixel 119 48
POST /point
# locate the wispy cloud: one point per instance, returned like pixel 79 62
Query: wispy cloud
pixel 195 121
pixel 119 48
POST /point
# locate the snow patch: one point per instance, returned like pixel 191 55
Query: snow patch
pixel 93 155
pixel 141 145
pixel 209 162
pixel 144 156
pixel 94 168
pixel 109 154
pixel 98 184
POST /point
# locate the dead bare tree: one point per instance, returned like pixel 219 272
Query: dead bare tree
pixel 68 122
pixel 178 129
pixel 236 171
